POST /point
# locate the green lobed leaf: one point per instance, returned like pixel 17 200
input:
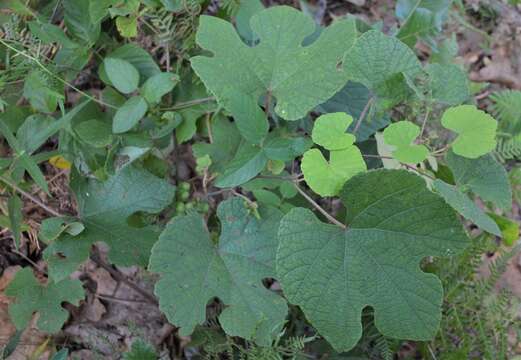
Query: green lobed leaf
pixel 466 207
pixel 194 270
pixel 402 135
pixel 475 128
pixel 330 131
pixel 298 77
pixel 31 296
pixel 122 74
pixel 381 63
pixel 484 176
pixel 448 83
pixel 104 208
pixel 394 222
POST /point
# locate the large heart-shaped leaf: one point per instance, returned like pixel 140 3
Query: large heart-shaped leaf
pixel 333 274
pixel 298 77
pixel 194 270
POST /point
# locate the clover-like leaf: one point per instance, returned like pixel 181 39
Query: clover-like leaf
pixel 104 208
pixel 401 135
pixel 394 222
pixel 381 63
pixel 194 270
pixel 466 207
pixel 475 128
pixel 31 297
pixel 484 176
pixel 345 160
pixel 298 77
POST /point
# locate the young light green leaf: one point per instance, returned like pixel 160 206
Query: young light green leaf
pixel 298 77
pixel 127 26
pixel 475 128
pixel 484 176
pixel 394 222
pixel 466 207
pixel 104 208
pixel 509 228
pixel 402 135
pixel 122 74
pixel 129 114
pixel 327 178
pixel 158 85
pixel 194 270
pixel 380 62
pixel 353 99
pixel 345 160
pixel 31 296
pixel 330 131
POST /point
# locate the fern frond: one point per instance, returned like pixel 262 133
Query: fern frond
pixel 507 109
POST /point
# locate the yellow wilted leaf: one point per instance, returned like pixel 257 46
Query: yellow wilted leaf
pixel 60 162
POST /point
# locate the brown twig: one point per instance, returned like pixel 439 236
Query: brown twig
pixel 31 197
pixel 318 207
pixel 116 274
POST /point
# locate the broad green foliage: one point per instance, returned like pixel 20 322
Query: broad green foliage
pixel 402 135
pixel 298 77
pixel 448 83
pixel 393 221
pixel 352 99
pixel 483 176
pixel 129 114
pixel 345 160
pixel 382 63
pixel 421 19
pixel 194 270
pixel 466 207
pixel 32 297
pixel 122 74
pixel 476 130
pixel 158 85
pixel 104 208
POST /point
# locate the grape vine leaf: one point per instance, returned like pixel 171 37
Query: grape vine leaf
pixel 194 270
pixel 484 176
pixel 298 77
pixel 382 63
pixel 104 208
pixel 475 128
pixel 394 222
pixel 31 296
pixel 402 135
pixel 466 207
pixel 345 160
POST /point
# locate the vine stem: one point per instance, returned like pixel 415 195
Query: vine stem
pixel 318 207
pixel 363 114
pixel 31 197
pixel 189 103
pixel 427 113
pixel 66 83
pixel 413 168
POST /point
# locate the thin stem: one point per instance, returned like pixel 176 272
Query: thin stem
pixel 410 167
pixel 31 197
pixel 186 104
pixel 95 257
pixel 363 115
pixel 318 207
pixel 267 104
pixel 66 83
pixel 427 113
